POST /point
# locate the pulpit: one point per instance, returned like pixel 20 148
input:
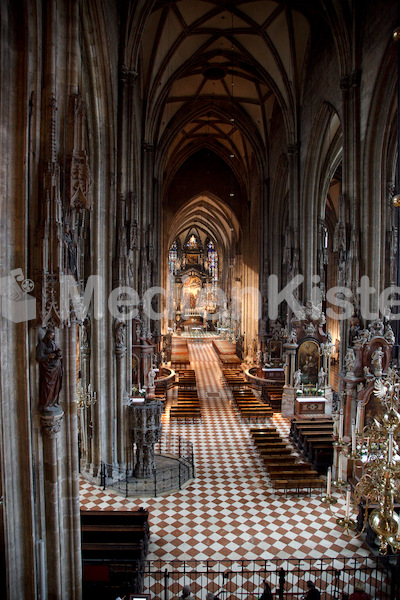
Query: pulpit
pixel 146 431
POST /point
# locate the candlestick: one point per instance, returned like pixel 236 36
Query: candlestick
pixel 358 418
pixel 353 439
pixel 340 468
pixel 348 496
pixel 329 482
pixel 390 449
pixel 341 424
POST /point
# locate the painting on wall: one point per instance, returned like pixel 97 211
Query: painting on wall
pixel 275 349
pixel 308 360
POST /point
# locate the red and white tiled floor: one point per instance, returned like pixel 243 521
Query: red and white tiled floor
pixel 229 510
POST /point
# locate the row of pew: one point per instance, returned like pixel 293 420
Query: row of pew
pixel 272 394
pixel 234 378
pixel 114 548
pixel 249 406
pixel 284 468
pixel 179 354
pixel 314 438
pixel 226 352
pixel 188 405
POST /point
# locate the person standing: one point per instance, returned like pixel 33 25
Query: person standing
pixel 312 592
pixel 359 592
pixel 186 593
pixel 267 594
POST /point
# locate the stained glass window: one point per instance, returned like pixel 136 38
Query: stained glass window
pixel 212 256
pixel 173 257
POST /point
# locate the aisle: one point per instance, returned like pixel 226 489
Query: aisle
pixel 229 511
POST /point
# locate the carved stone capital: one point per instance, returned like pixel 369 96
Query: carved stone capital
pixel 51 420
pixel 350 80
pixel 294 149
pixel 127 77
pixel 147 147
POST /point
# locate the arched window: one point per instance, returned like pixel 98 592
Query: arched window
pixel 173 257
pixel 212 256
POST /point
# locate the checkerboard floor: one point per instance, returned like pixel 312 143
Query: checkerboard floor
pixel 230 510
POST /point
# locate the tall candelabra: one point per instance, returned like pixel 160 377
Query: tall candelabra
pixel 85 400
pixel 377 447
pixel 86 397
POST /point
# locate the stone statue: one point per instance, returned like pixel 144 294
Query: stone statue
pixel 70 246
pixel 321 378
pixel 151 377
pixel 350 360
pixel 49 357
pixel 86 328
pixel 297 378
pixel 376 360
pixel 292 339
pixel 367 372
pixel 119 333
pixel 376 328
pixel 389 336
pixel 259 356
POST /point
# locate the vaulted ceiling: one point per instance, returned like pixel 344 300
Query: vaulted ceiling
pixel 214 73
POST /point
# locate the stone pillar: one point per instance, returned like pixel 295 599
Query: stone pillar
pixel 351 383
pixel 51 420
pixel 121 396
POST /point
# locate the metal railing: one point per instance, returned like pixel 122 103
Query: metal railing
pixel 243 580
pixel 174 461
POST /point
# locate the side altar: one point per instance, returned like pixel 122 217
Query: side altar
pixel 307 352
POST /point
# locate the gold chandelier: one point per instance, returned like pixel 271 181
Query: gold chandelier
pixel 377 447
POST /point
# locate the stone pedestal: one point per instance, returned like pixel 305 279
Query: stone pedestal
pixel 146 431
pixel 288 401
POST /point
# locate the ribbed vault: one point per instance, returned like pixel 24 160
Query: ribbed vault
pixel 210 215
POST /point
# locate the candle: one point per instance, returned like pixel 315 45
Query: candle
pixel 390 450
pixel 353 439
pixel 348 496
pixel 341 425
pixel 340 468
pixel 329 482
pixel 358 418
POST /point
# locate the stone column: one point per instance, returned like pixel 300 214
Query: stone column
pixel 51 420
pixel 121 395
pixel 289 392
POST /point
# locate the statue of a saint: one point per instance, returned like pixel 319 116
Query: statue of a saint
pixel 70 247
pixel 120 334
pixel 151 377
pixel 376 360
pixel 259 356
pixel 350 360
pixel 297 378
pixel 49 357
pixel 321 377
pixel 86 328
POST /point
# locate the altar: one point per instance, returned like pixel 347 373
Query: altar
pixel 274 373
pixel 307 405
